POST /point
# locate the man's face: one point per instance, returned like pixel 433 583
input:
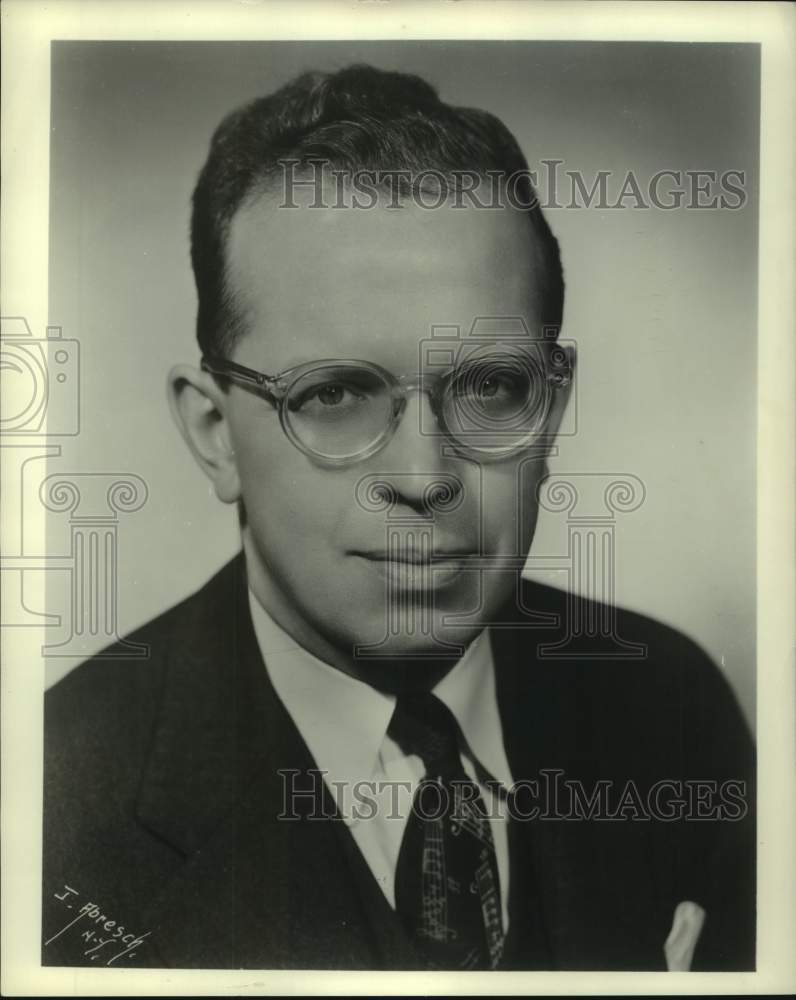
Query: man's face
pixel 370 285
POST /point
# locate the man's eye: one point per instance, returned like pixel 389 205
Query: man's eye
pixel 491 387
pixel 331 395
pixel 327 396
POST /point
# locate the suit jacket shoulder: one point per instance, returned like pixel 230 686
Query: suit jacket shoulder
pixel 101 725
pixel 639 721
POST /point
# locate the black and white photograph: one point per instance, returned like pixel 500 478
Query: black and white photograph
pixel 396 492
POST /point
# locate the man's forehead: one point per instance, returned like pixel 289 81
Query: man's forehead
pixel 337 275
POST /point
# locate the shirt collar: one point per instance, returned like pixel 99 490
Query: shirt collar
pixel 344 721
pixel 470 692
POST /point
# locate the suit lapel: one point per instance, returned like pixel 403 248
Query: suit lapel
pixel 245 881
pixel 591 876
pixel 525 709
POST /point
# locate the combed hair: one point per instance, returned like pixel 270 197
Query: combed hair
pixel 357 119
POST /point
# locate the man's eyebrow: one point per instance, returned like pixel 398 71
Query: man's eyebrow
pixel 270 367
pixel 298 361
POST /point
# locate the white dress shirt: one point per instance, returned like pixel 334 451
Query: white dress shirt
pixel 344 723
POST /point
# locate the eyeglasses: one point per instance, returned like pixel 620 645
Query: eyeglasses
pixel 491 405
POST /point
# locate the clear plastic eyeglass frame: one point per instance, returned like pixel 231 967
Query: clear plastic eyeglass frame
pixel 275 389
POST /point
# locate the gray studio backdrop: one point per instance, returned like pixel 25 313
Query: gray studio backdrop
pixel 661 302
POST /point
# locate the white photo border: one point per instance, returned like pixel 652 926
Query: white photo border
pixel 28 28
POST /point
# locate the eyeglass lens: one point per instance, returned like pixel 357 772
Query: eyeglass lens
pixel 487 404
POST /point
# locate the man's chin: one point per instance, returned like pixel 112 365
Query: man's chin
pixel 407 663
pixel 415 629
pixel 413 639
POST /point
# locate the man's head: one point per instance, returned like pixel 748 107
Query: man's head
pixel 358 120
pixel 290 273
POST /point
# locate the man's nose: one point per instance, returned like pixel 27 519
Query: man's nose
pixel 413 467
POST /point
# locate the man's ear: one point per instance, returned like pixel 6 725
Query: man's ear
pixel 198 406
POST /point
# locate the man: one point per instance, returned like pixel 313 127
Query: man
pixel 353 748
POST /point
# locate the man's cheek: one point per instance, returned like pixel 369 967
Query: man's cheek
pixel 500 513
pixel 285 539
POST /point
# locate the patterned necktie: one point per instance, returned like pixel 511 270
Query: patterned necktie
pixel 447 890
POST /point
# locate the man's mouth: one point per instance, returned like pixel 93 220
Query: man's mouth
pixel 416 557
pixel 412 569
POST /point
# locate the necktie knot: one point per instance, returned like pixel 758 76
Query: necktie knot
pixel 424 726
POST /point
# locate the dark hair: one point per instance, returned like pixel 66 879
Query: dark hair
pixel 359 118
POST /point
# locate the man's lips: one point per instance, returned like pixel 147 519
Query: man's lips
pixel 409 570
pixel 415 558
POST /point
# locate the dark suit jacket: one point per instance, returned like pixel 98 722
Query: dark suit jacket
pixel 162 792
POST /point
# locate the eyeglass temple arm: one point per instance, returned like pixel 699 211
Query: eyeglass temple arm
pixel 247 378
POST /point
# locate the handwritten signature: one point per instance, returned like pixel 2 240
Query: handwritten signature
pixel 91 913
